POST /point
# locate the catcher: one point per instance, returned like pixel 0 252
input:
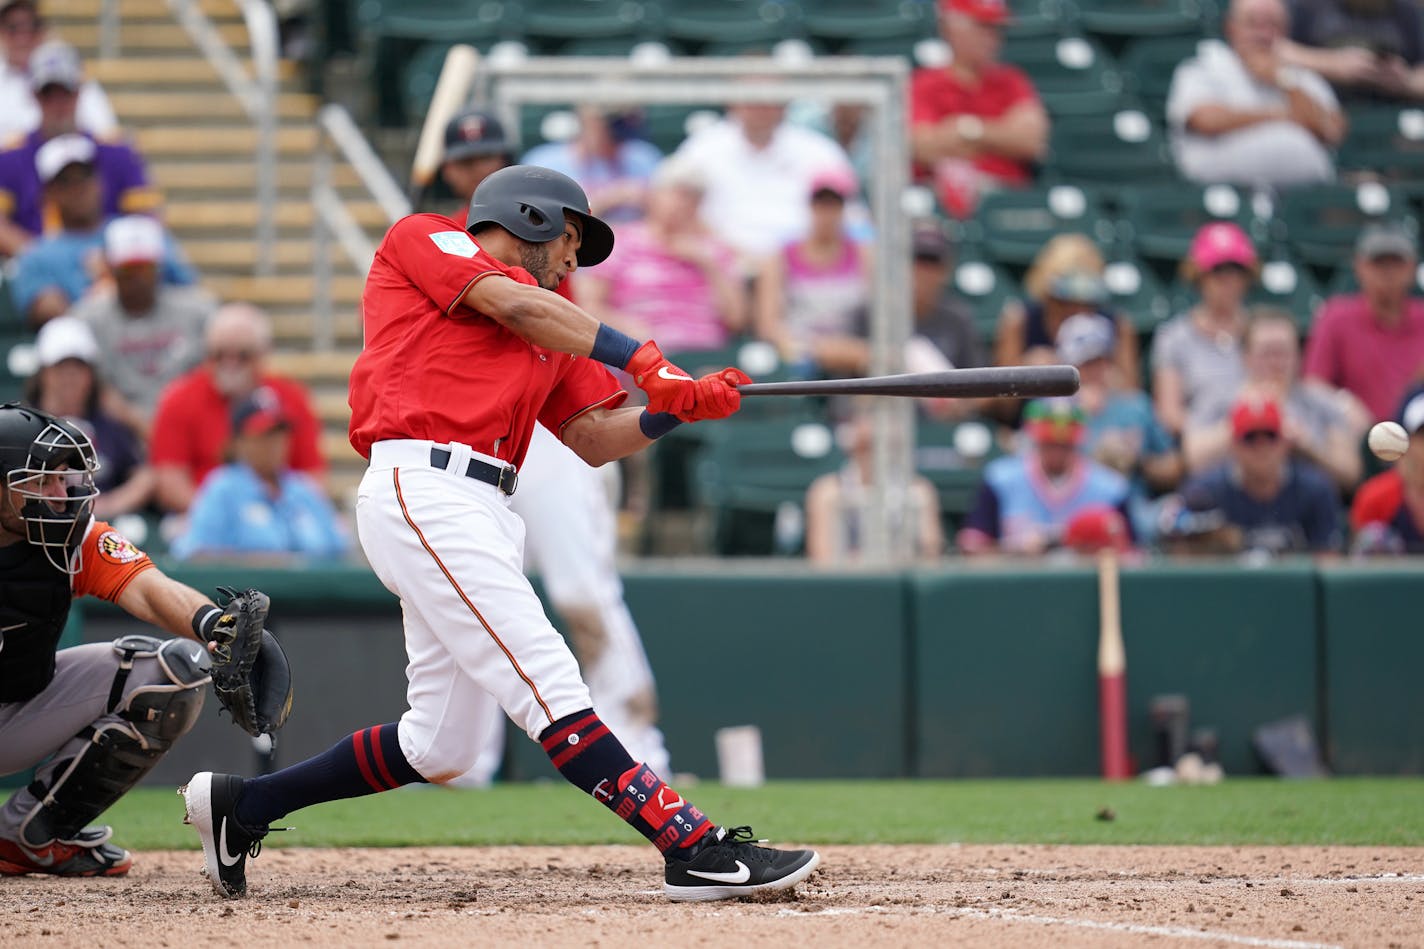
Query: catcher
pixel 103 713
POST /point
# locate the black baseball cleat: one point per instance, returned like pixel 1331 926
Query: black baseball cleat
pixel 727 863
pixel 211 800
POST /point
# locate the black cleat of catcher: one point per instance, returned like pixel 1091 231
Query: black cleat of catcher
pixel 726 864
pixel 211 800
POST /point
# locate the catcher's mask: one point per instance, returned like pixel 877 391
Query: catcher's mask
pixel 50 464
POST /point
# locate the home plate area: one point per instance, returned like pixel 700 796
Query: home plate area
pixel 1010 896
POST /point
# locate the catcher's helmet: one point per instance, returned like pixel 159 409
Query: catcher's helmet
pixel 529 202
pixel 39 453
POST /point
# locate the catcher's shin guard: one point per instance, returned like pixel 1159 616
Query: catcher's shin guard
pixel 119 752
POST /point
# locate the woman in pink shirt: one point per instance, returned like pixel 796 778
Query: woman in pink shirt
pixel 668 277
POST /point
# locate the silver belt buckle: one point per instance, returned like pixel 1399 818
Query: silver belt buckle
pixel 510 473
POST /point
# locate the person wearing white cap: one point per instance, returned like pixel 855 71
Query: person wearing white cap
pixel 59 269
pixel 150 330
pixel 56 77
pixel 1387 514
pixel 67 385
pixel 23 32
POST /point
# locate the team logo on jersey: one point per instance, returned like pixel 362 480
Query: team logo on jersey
pixel 455 243
pixel 117 548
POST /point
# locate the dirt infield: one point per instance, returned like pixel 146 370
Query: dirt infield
pixel 1009 896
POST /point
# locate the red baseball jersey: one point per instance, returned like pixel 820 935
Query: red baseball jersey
pixel 433 368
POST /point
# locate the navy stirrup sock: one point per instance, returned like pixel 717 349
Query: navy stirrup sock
pixel 366 762
pixel 593 760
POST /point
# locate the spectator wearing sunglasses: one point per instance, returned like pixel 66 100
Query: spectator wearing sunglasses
pixel 1281 505
pixel 192 425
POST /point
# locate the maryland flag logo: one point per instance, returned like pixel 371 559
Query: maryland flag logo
pixel 117 548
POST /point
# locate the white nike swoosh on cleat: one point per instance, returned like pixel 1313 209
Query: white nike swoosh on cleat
pixel 663 373
pixel 222 847
pixel 741 875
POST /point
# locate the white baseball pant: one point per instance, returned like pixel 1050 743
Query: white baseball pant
pixel 453 551
pixel 571 540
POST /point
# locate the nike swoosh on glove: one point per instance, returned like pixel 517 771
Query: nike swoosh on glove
pixel 717 395
pixel 669 389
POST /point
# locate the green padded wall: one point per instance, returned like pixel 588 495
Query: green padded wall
pixel 1374 660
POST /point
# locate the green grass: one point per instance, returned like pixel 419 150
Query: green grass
pixel 1365 811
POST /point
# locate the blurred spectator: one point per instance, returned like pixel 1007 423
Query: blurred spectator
pixel 1199 351
pixel 837 503
pixel 758 169
pixel 669 277
pixel 808 296
pixel 1322 425
pixel 609 157
pixel 56 77
pixel 1193 523
pixel 193 421
pixel 476 146
pixel 977 123
pixel 1065 278
pixel 255 505
pixel 149 330
pixel 1239 114
pixel 1387 515
pixel 21 31
pixel 1280 505
pixel 942 319
pixel 1371 343
pixel 67 384
pixel 60 268
pixel 845 123
pixel 1366 48
pixel 1122 433
pixel 1028 500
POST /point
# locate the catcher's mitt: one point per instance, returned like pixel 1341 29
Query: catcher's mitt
pixel 250 672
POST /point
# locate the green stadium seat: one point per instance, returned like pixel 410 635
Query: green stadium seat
pixel 604 46
pixel 1288 286
pixel 1385 142
pixel 731 21
pixel 835 20
pixel 1015 223
pixel 667 125
pixel 986 288
pixel 1123 147
pixel 1136 291
pixel 1146 17
pixel 15 366
pixel 1160 221
pixel 576 19
pixel 909 47
pixel 1322 223
pixel 1149 63
pixel 952 456
pixel 1041 18
pixel 754 470
pixel 1074 75
pixel 450 21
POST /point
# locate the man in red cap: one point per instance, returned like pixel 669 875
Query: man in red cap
pixel 976 123
pixel 1281 505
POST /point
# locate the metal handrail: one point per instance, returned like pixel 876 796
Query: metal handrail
pixel 330 219
pixel 256 93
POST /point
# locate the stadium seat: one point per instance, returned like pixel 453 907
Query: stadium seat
pixel 1041 18
pixel 986 289
pixel 1136 292
pixel 1161 220
pixel 1385 142
pixel 667 125
pixel 15 367
pixel 1287 285
pixel 752 470
pixel 577 19
pixel 1074 75
pixel 836 20
pixel 1145 17
pixel 1123 147
pixel 1148 64
pixel 450 21
pixel 1015 223
pixel 1322 223
pixel 731 21
pixel 952 456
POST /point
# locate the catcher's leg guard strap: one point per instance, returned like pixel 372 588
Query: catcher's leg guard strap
pixel 120 749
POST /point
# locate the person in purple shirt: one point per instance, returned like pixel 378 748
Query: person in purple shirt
pixel 24 216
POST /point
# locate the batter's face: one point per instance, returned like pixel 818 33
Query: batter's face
pixel 549 263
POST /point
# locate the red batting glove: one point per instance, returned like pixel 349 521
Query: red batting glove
pixel 717 395
pixel 669 389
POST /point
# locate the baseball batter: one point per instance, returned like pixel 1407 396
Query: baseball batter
pixel 466 350
pixel 103 714
pixel 570 532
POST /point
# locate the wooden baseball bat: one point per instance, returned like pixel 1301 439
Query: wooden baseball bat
pixel 1112 673
pixel 994 382
pixel 450 92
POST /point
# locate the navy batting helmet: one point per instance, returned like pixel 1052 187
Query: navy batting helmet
pixel 529 202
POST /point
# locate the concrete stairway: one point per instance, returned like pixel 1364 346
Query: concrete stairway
pixel 199 145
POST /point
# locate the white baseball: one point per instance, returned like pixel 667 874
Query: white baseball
pixel 1388 440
